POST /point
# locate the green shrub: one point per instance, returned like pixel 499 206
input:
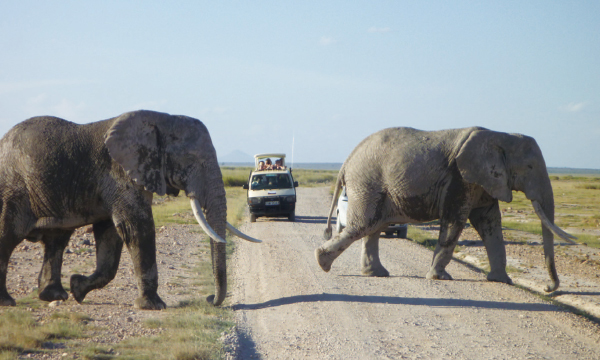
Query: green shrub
pixel 588 186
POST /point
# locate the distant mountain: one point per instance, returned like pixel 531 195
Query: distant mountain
pixel 236 156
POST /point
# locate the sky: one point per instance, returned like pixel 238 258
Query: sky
pixel 312 78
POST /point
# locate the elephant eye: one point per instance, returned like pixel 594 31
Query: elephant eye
pixel 530 167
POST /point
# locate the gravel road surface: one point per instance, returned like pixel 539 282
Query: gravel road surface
pixel 288 308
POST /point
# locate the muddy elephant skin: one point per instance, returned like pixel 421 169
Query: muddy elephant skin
pixel 56 175
pixel 404 175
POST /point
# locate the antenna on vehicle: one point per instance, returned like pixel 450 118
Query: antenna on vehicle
pixel 292 150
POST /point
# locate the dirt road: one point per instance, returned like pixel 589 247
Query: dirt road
pixel 288 308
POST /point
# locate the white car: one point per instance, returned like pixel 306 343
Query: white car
pixel 272 192
pixel 342 209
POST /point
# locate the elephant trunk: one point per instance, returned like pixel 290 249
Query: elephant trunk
pixel 216 215
pixel 210 200
pixel 544 208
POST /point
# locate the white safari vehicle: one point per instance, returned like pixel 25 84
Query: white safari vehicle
pixel 272 190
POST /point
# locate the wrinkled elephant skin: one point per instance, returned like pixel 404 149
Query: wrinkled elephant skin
pixel 56 175
pixel 404 175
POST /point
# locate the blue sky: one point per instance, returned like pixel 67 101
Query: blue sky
pixel 327 73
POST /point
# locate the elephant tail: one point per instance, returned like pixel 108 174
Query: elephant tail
pixel 336 193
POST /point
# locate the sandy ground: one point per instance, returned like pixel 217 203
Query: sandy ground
pixel 288 308
pixel 112 316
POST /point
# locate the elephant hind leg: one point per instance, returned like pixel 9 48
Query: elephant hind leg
pixel 7 245
pixel 371 265
pixel 10 237
pixel 331 249
pixel 449 234
pixel 108 254
pixel 49 282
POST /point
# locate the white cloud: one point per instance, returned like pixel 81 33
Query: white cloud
pixel 573 107
pixel 36 100
pixel 326 40
pixel 11 87
pixel 217 110
pixel 41 105
pixel 68 110
pixel 374 29
pixel 157 105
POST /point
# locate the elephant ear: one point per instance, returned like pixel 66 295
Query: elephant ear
pixel 133 141
pixel 482 160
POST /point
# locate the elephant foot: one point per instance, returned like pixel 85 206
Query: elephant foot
pixel 53 293
pixel 378 271
pixel 7 300
pixel 152 302
pixel 438 275
pixel 499 276
pixel 325 258
pixel 78 287
pixel 553 286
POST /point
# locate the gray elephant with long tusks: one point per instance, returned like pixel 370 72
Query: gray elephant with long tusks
pixel 403 175
pixel 56 176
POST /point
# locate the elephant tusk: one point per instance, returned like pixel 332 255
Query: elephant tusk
pixel 555 229
pixel 202 221
pixel 241 235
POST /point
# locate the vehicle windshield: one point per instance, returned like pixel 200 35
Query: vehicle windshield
pixel 270 181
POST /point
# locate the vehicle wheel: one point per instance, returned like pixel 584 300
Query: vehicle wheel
pixel 292 216
pixel 389 234
pixel 403 233
pixel 252 218
pixel 338 224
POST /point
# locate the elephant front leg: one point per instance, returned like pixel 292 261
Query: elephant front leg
pixel 488 223
pixel 371 265
pixel 49 282
pixel 108 254
pixel 140 241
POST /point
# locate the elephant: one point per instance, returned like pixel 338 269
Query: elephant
pixel 404 175
pixel 56 176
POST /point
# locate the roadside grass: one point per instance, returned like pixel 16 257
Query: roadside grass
pixel 421 237
pixel 313 178
pixel 192 328
pixel 235 176
pixel 238 176
pixel 20 332
pixel 177 210
pixel 577 208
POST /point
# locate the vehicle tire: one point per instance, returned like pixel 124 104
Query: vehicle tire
pixel 292 216
pixel 338 224
pixel 252 218
pixel 389 234
pixel 403 233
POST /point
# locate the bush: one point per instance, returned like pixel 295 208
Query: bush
pixel 589 186
pixel 235 180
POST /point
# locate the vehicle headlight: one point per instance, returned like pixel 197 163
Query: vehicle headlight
pixel 290 199
pixel 254 200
